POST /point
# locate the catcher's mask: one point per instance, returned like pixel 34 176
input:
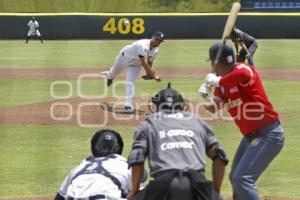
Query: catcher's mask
pixel 227 57
pixel 106 142
pixel 168 99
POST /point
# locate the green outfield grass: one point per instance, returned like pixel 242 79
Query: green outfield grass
pixel 101 53
pixel 36 158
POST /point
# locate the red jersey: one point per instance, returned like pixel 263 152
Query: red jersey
pixel 245 98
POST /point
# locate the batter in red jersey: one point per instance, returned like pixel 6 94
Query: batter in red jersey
pixel 239 89
pixel 245 98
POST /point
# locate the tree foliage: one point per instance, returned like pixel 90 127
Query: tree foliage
pixel 115 6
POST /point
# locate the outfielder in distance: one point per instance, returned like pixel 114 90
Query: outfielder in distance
pixel 104 175
pixel 33 30
pixel 133 57
pixel 247 43
pixel 176 144
pixel 239 89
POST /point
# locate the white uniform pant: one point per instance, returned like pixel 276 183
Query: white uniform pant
pixel 34 33
pixel 119 65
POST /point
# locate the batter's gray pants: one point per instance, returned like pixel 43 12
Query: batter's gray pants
pixel 252 157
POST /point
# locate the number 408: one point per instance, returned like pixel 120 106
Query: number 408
pixel 136 26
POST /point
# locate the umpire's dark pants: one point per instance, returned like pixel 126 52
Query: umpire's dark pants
pixel 177 185
pixel 242 57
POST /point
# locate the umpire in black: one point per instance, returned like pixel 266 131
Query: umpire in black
pixel 176 144
pixel 248 44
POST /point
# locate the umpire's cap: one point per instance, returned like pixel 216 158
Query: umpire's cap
pixel 227 56
pixel 106 142
pixel 168 100
pixel 159 35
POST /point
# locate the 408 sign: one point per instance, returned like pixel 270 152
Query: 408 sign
pixel 124 26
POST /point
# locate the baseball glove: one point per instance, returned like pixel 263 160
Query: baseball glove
pixel 147 77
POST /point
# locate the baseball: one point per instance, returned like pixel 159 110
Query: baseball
pixel 157 78
pixel 126 22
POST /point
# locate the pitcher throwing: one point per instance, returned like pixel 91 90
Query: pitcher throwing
pixel 133 57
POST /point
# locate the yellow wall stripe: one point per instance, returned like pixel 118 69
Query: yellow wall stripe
pixel 147 14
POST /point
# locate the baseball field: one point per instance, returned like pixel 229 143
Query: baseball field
pixel 53 99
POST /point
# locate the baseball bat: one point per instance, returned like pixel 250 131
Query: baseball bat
pixel 235 9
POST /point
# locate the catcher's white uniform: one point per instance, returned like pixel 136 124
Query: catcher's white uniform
pixel 33 28
pixel 88 180
pixel 129 57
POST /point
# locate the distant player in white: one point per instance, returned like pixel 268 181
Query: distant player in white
pixel 133 57
pixel 105 175
pixel 33 30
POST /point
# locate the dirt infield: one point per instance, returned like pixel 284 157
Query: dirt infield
pixel 74 111
pixel 268 74
pixel 98 112
pixel 85 113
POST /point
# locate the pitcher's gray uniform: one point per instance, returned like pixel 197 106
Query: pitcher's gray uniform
pixel 130 57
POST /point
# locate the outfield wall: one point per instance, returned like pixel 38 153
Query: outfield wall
pixel 175 26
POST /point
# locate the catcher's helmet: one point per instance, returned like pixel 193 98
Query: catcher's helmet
pixel 106 142
pixel 168 99
pixel 227 56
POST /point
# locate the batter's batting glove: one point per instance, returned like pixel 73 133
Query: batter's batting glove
pixel 206 92
pixel 203 90
pixel 212 79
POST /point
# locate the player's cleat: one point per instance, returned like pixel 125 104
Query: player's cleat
pixel 105 73
pixel 128 110
pixel 109 82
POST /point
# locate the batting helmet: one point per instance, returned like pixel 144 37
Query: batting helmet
pixel 106 142
pixel 227 56
pixel 168 99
